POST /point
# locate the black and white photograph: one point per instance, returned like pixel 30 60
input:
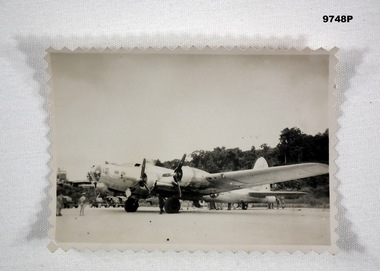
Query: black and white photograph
pixel 190 135
pixel 209 149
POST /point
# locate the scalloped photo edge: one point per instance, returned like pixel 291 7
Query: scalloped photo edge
pixel 72 71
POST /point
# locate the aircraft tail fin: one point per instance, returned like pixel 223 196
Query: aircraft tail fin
pixel 260 163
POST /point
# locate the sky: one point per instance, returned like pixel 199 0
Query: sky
pixel 123 108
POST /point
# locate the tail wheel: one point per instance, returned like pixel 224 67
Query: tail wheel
pixel 172 205
pixel 131 205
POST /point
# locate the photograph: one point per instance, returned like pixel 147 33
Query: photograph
pixel 190 135
pixel 192 149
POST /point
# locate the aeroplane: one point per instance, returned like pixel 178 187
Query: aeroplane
pixel 188 183
pixel 248 195
pixel 256 194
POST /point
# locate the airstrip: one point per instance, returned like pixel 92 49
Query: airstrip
pixel 257 226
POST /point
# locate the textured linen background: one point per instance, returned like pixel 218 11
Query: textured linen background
pixel 28 28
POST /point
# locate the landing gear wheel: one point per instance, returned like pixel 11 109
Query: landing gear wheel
pixel 131 205
pixel 172 205
pixel 244 206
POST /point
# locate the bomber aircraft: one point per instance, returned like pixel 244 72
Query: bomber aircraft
pixel 187 183
pixel 256 194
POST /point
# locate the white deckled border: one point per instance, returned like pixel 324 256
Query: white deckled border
pixel 205 50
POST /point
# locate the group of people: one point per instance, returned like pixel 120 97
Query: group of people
pixel 280 201
pixel 215 205
pixel 81 203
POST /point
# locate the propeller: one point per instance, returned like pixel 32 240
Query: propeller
pixel 91 179
pixel 178 173
pixel 94 175
pixel 143 178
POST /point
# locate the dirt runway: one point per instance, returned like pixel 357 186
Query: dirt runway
pixel 257 226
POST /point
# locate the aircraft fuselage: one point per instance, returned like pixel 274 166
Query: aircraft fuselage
pixel 239 196
pixel 158 179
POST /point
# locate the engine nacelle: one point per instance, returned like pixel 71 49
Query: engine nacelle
pixel 165 185
pixel 190 174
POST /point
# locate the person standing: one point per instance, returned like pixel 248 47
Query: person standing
pixel 59 204
pixel 161 203
pixel 82 201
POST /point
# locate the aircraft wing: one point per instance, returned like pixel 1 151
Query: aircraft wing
pixel 263 194
pixel 233 180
